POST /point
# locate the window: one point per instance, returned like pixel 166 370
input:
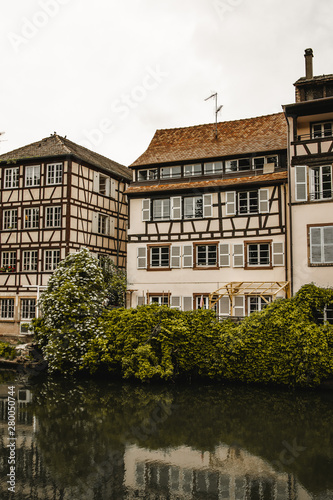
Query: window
pixel 260 161
pixel 160 257
pixel 322 129
pixel 206 255
pixel 32 175
pixel 162 300
pixel 213 168
pixel 8 260
pixel 147 175
pixel 103 223
pixel 103 184
pixel 7 308
pixel 238 165
pixel 11 177
pixel 31 218
pixel 202 302
pixel 193 207
pixel 321 182
pixel 321 245
pixel 28 308
pixel 51 259
pixel 161 209
pixel 169 172
pixel 258 254
pixel 54 173
pixel 248 202
pixel 192 170
pixel 258 303
pixel 30 259
pixel 10 219
pixel 53 217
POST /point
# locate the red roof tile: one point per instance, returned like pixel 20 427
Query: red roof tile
pixel 264 133
pixel 209 183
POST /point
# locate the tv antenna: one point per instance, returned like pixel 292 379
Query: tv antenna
pixel 217 110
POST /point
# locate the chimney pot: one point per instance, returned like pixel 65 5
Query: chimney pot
pixel 308 64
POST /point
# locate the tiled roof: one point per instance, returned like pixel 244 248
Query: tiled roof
pixel 55 145
pixel 264 133
pixel 210 183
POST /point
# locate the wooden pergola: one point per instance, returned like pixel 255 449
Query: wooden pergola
pixel 258 288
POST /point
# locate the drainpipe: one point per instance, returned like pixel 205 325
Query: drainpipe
pixel 290 230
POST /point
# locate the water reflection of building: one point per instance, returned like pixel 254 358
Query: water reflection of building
pixel 184 474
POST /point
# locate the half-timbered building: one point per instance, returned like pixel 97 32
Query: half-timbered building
pixel 207 225
pixel 56 197
pixel 310 121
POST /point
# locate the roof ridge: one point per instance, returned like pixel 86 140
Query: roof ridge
pixel 60 140
pixel 219 123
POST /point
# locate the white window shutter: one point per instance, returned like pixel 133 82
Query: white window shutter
pixel 175 256
pixel 176 207
pixel 175 302
pixel 230 202
pixel 110 229
pixel 187 256
pixel 301 183
pixel 238 255
pixel 187 303
pixel 142 258
pixel 224 306
pixel 263 201
pixel 328 244
pixel 239 305
pixel 207 205
pixel 315 245
pixel 95 223
pixel 146 209
pixel 141 300
pixel 96 182
pixel 278 254
pixel 224 255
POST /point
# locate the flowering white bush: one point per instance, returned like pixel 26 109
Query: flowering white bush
pixel 71 306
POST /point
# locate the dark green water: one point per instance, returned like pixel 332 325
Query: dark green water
pixel 99 440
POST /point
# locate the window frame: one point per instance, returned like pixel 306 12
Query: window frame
pixel 57 175
pixel 322 129
pixel 165 208
pixel 160 296
pixel 152 174
pixel 11 181
pixel 312 183
pixel 8 308
pixel 247 245
pixel 172 175
pixel 150 249
pixel 7 225
pixel 26 305
pixel 248 202
pixel 207 265
pixel 33 176
pixel 29 260
pixel 194 199
pixel 322 245
pixel 50 220
pixel 261 303
pixel 54 261
pixel 192 170
pixel 217 167
pixel 32 219
pixel 9 259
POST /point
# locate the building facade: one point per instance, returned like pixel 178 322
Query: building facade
pixel 208 217
pixel 56 197
pixel 310 126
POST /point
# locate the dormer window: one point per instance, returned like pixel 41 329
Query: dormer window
pixel 213 167
pixel 169 172
pixel 238 165
pixel 190 170
pixel 260 161
pixel 147 174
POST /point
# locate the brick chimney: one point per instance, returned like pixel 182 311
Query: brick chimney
pixel 308 64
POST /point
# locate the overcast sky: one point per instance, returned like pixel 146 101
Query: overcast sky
pixel 108 73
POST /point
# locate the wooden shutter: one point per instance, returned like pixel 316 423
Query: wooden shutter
pixel 301 183
pixel 113 188
pixel 239 305
pixel 142 258
pixel 230 202
pixel 224 306
pixel 146 209
pixel 207 205
pixel 175 302
pixel 96 182
pixel 187 256
pixel 224 255
pixel 315 245
pixel 176 207
pixel 95 223
pixel 187 303
pixel 238 255
pixel 278 254
pixel 175 256
pixel 263 201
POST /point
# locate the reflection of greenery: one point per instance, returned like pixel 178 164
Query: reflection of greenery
pixel 84 424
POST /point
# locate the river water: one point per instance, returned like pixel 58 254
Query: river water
pixel 96 439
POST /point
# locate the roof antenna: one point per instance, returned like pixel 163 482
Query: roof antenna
pixel 217 110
